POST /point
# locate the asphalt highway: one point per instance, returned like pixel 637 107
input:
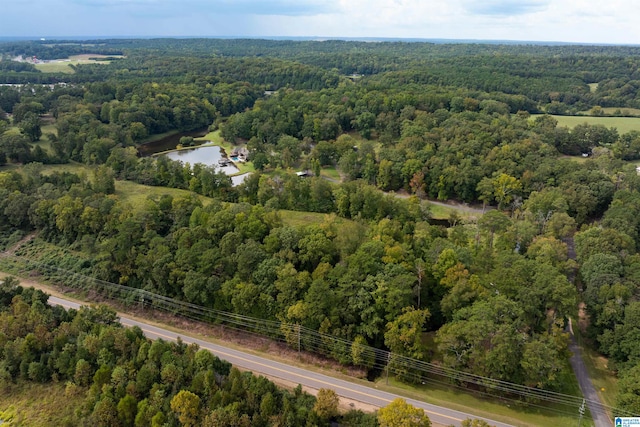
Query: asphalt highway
pixel 259 365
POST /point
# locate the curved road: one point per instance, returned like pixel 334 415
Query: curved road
pixel 369 395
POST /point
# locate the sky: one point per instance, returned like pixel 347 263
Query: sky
pixel 581 21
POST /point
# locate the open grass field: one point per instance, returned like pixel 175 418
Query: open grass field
pixel 55 67
pixel 35 405
pixel 62 65
pixel 623 124
pixel 610 111
pixel 136 194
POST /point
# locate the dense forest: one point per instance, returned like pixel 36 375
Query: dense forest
pixel 488 294
pixel 129 380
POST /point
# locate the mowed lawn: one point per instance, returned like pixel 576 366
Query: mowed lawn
pixel 136 194
pixel 616 111
pixel 623 124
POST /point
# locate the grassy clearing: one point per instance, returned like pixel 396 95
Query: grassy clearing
pixel 331 173
pixel 611 111
pixel 216 139
pixel 578 159
pixel 76 168
pixel 442 212
pixel 44 141
pixel 296 219
pixel 136 194
pixel 56 67
pixel 49 129
pixel 246 167
pixel 623 124
pixel 63 65
pixel 593 87
pixel 29 404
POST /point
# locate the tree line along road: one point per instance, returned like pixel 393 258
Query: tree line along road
pixel 259 365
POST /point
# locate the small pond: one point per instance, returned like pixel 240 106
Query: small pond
pixel 208 155
pixel 168 142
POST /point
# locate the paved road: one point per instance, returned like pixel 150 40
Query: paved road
pixel 599 415
pixel 260 365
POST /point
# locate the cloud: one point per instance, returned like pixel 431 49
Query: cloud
pixel 231 7
pixel 505 7
pixel 551 20
pixel 278 7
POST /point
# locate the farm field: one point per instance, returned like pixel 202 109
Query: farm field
pixel 623 124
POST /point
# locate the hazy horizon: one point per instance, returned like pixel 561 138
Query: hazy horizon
pixel 310 38
pixel 540 21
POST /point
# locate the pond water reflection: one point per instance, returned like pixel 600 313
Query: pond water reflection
pixel 208 155
pixel 168 142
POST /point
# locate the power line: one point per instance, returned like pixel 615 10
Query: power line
pixel 298 336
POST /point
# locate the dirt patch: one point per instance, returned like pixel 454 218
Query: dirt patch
pixel 12 250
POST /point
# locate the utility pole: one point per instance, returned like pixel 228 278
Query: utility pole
pixel 298 338
pixel 387 369
pixel 581 411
